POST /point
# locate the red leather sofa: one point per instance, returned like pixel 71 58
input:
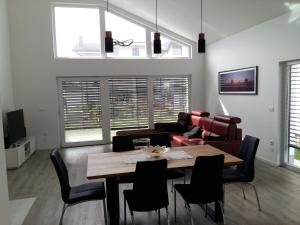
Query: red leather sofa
pixel 220 131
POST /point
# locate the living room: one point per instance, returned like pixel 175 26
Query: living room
pixel 263 34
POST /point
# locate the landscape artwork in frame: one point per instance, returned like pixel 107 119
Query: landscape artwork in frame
pixel 241 81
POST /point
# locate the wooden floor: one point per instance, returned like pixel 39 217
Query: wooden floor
pixel 279 191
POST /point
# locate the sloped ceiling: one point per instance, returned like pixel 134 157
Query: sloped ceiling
pixel 221 18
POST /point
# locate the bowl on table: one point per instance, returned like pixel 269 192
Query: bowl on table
pixel 155 151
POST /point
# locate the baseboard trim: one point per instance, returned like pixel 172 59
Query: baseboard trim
pixel 271 163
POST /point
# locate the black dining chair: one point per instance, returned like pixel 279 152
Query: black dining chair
pixel 244 173
pixel 121 144
pixel 206 184
pixel 163 139
pixel 150 190
pixel 77 194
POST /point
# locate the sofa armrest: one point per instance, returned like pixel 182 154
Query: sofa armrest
pixel 169 127
pixel 231 147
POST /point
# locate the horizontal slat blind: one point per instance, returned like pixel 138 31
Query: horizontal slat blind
pixel 171 96
pixel 81 104
pixel 128 103
pixel 294 106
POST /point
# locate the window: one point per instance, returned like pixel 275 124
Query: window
pixel 77 32
pixel 128 103
pixel 92 110
pixel 123 30
pixel 135 51
pixel 81 111
pixel 170 96
pixel 294 115
pixel 171 48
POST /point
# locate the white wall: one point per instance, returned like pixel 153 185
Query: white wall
pixel 264 45
pixel 35 69
pixel 6 103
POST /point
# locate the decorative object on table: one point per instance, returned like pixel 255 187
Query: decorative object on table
pixel 240 81
pixel 201 40
pixel 155 151
pixel 157 41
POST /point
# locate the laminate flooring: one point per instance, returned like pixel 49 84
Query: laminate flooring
pixel 278 188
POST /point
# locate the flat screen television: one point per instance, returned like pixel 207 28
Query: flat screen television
pixel 15 126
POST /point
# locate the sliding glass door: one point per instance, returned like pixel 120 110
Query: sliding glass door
pixel 92 110
pixel 293 133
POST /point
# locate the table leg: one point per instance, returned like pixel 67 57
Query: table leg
pixel 112 192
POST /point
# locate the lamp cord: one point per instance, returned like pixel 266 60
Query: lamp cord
pixel 156 15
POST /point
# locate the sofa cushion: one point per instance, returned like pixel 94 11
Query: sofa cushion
pixel 183 121
pixel 183 116
pixel 200 113
pixel 192 133
pixel 192 141
pixel 210 136
pixel 195 120
pixel 220 128
pixel 227 119
pixel 179 138
pixel 205 123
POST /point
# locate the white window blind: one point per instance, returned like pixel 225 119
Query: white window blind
pixel 170 96
pixel 128 103
pixel 294 106
pixel 81 104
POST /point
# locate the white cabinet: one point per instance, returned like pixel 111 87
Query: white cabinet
pixel 17 155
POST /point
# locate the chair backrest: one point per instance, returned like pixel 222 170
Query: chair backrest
pixel 122 143
pixel 206 179
pixel 150 185
pixel 62 173
pixel 161 139
pixel 247 152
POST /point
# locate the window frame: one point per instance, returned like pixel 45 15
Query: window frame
pixel 149 28
pixel 105 102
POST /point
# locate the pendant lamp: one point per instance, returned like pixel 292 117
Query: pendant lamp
pixel 201 40
pixel 157 41
pixel 109 42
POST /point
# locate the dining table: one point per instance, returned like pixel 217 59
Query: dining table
pixel 111 165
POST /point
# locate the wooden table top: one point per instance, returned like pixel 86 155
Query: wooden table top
pixel 103 165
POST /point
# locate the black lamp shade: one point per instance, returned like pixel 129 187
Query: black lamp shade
pixel 157 43
pixel 109 43
pixel 201 43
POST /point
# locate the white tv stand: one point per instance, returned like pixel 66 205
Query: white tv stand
pixel 20 152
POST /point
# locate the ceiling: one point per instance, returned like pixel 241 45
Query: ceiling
pixel 221 18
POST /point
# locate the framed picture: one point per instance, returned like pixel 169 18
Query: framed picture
pixel 241 81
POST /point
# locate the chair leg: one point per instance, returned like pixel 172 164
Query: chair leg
pixel 132 218
pixel 167 212
pixel 125 212
pixel 105 212
pixel 174 205
pixel 158 212
pixel 257 199
pixel 172 186
pixel 63 213
pixel 242 186
pixel 223 197
pixel 222 210
pixel 190 214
